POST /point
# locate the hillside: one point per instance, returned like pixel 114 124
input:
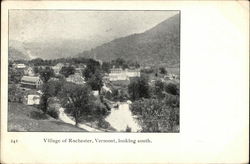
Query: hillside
pixel 158 45
pixel 52 49
pixel 27 118
pixel 17 55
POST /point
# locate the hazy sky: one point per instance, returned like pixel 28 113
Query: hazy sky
pixel 43 25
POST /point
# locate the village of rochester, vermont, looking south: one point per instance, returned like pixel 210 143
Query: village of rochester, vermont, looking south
pixel 94 71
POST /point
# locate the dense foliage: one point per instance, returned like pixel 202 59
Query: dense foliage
pixel 95 81
pixel 155 115
pixel 15 75
pixel 77 100
pixel 66 71
pixel 46 74
pixel 139 88
pixel 92 68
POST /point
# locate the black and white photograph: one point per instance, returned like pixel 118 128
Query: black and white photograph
pixel 93 71
pixel 124 82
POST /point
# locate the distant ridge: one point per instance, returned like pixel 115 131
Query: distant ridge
pixel 15 54
pixel 158 45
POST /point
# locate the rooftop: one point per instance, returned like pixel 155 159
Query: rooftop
pixel 30 78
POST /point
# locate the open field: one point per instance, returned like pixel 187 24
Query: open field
pixel 27 118
pixel 173 70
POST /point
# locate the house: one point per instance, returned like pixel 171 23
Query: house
pixel 33 100
pixel 29 71
pixel 32 82
pixel 32 97
pixel 78 71
pixel 57 68
pixel 95 93
pixel 20 65
pixel 117 74
pixel 76 78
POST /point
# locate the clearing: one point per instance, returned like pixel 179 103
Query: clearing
pixel 28 118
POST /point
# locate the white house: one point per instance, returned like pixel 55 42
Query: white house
pixel 33 100
pixel 95 93
pixel 120 74
pixel 29 71
pixel 57 68
pixel 32 97
pixel 21 65
pixel 76 78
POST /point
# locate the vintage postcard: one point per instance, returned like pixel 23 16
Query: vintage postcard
pixel 133 82
pixel 93 70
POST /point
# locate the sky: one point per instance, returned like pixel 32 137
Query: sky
pixel 45 25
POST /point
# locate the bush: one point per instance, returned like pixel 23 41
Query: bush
pixel 139 88
pixel 103 124
pixel 99 109
pixel 156 115
pixel 128 129
pixel 163 70
pixel 53 113
pixel 172 89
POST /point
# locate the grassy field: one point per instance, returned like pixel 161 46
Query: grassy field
pixel 175 71
pixel 27 118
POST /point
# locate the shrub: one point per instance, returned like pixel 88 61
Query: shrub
pixel 128 129
pixel 172 89
pixel 53 113
pixel 103 124
pixel 156 115
pixel 163 70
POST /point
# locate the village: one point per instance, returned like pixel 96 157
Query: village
pixel 113 88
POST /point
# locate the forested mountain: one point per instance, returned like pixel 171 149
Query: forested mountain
pixel 158 45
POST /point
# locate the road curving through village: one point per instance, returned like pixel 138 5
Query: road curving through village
pixel 65 118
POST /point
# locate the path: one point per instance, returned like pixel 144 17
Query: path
pixel 65 118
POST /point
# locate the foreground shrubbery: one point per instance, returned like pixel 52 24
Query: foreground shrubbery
pixel 156 115
pixel 53 113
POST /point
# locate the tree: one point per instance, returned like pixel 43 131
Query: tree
pixel 139 89
pixel 15 75
pixel 158 89
pixel 66 71
pixel 36 70
pixel 37 62
pixel 92 67
pixel 77 100
pixel 45 97
pixel 49 89
pixel 163 70
pixel 106 67
pixel 46 74
pixel 95 81
pixel 55 87
pixel 172 88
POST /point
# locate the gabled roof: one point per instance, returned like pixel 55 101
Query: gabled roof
pixel 30 78
pixel 78 79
